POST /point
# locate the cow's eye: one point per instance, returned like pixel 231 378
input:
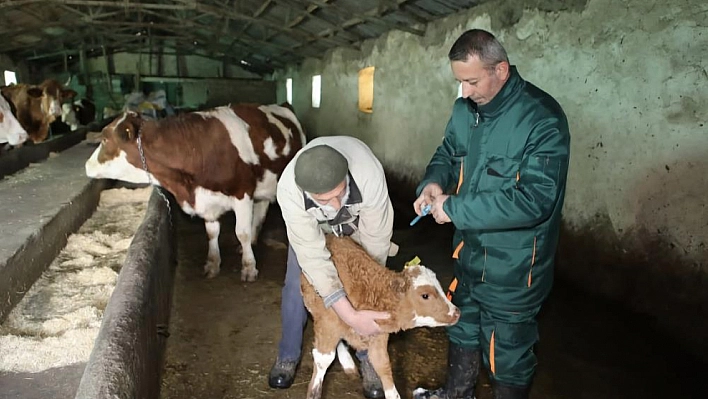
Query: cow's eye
pixel 424 296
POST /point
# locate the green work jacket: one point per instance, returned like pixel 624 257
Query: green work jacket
pixel 505 164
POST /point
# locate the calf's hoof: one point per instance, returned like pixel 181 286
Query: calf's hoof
pixel 282 374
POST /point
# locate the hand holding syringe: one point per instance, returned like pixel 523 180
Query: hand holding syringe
pixel 424 212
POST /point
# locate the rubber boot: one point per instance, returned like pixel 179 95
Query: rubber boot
pixel 282 374
pixel 462 372
pixel 503 391
pixel 373 389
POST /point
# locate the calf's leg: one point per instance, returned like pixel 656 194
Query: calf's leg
pixel 212 266
pixel 323 353
pixel 345 358
pixel 378 355
pixel 243 209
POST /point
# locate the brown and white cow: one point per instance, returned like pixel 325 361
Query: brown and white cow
pixel 11 132
pixel 78 113
pixel 36 107
pixel 225 159
pixel 413 297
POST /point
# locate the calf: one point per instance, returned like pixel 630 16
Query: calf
pixel 413 297
pixel 11 132
pixel 225 159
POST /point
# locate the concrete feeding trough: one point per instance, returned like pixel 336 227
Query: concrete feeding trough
pixel 48 202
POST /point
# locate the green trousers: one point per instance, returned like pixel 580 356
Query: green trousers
pixel 506 337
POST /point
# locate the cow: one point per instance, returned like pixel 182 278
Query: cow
pixel 78 113
pixel 413 297
pixel 11 132
pixel 214 161
pixel 38 106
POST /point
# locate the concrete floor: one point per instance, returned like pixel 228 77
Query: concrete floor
pixel 224 333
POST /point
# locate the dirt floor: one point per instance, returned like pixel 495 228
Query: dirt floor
pixel 224 333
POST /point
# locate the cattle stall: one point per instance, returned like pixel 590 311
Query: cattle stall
pixel 630 293
pixel 169 332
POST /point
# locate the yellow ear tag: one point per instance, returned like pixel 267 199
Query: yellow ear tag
pixel 413 262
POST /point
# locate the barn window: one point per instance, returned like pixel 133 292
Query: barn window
pixel 10 78
pixel 316 90
pixel 366 90
pixel 289 90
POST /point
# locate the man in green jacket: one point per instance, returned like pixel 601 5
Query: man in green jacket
pixel 499 177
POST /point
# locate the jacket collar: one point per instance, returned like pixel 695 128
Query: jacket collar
pixel 354 196
pixel 500 102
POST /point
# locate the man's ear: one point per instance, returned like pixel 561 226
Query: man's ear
pixel 502 70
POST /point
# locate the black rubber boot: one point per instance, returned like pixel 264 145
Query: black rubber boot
pixel 373 389
pixel 282 374
pixel 503 391
pixel 462 372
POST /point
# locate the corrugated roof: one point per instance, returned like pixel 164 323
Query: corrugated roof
pixel 262 35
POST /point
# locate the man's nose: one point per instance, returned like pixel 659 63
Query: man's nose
pixel 335 203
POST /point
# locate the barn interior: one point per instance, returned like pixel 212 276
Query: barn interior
pixel 626 317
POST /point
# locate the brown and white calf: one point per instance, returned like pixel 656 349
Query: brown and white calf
pixel 225 159
pixel 413 297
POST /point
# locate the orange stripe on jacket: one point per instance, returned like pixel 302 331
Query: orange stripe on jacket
pixel 451 289
pixel 492 363
pixel 456 254
pixel 459 182
pixel 533 261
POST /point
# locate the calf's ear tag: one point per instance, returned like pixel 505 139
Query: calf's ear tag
pixel 413 262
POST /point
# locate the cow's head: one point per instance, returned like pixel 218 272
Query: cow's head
pixel 424 304
pixel 54 96
pixel 10 129
pixel 118 147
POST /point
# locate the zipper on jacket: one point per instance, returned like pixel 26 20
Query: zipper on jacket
pixel 484 267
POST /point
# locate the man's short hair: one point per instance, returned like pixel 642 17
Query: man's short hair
pixel 320 169
pixel 480 43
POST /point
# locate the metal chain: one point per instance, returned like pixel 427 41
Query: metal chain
pixel 145 168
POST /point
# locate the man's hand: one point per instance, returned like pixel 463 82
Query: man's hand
pixel 437 209
pixel 430 191
pixel 362 321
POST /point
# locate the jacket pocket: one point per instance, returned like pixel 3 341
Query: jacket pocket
pixel 510 257
pixel 499 172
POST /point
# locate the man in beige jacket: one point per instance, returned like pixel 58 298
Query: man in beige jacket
pixel 334 185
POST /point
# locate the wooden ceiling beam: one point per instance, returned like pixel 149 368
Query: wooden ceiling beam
pixel 373 15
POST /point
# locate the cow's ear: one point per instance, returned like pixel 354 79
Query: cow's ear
pixel 127 132
pixel 399 284
pixel 35 92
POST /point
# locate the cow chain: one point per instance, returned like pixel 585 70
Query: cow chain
pixel 145 168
